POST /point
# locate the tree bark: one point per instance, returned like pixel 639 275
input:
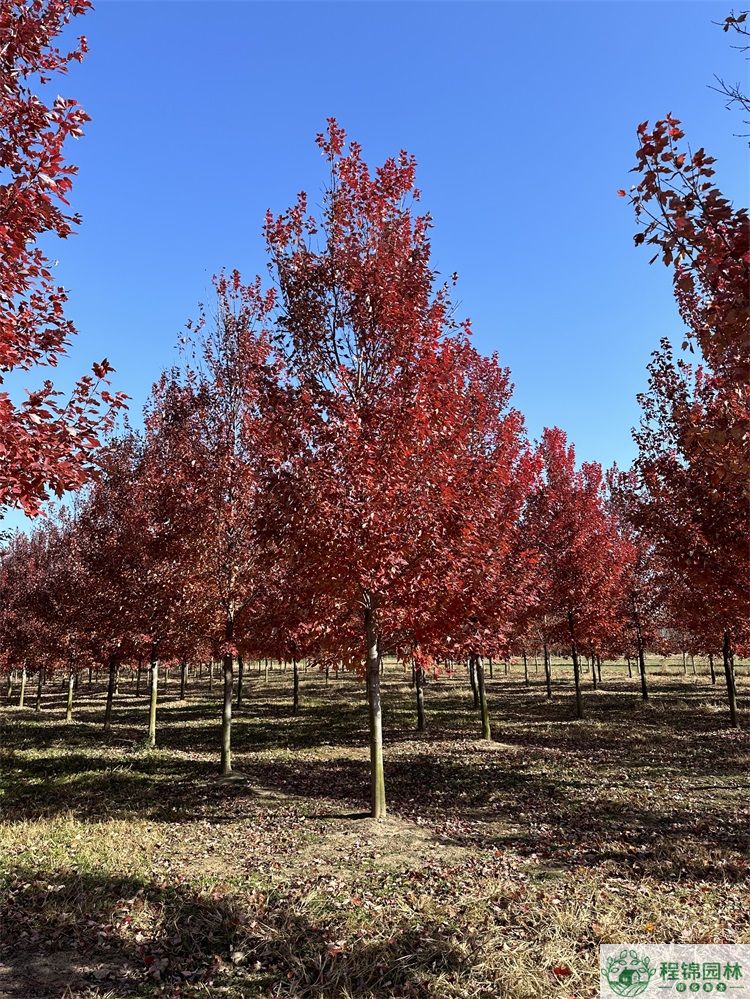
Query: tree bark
pixel 473 681
pixel 377 777
pixel 729 674
pixel 711 667
pixel 525 669
pixel 69 706
pixel 240 679
pixel 295 687
pixel 547 672
pixel 641 661
pixel 154 694
pixel 39 684
pixel 576 667
pixel 110 693
pixel 22 696
pixel 479 667
pixel 183 679
pixel 226 714
pixel 419 686
pixel 593 670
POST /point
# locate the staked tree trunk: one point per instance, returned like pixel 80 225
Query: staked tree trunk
pixel 479 667
pixel 110 693
pixel 711 667
pixel 419 686
pixel 295 687
pixel 22 696
pixel 547 672
pixel 71 686
pixel 377 776
pixel 729 674
pixel 240 678
pixel 576 667
pixel 473 681
pixel 154 694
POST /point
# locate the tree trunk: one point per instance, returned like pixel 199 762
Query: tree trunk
pixel 152 702
pixel 576 667
pixel 91 675
pixel 479 667
pixel 599 669
pixel 473 681
pixel 138 671
pixel 492 675
pixel 22 696
pixel 419 686
pixel 547 672
pixel 593 670
pixel 39 683
pixel 295 687
pixel 525 668
pixel 183 679
pixel 377 777
pixel 630 669
pixel 729 673
pixel 110 693
pixel 641 661
pixel 9 690
pixel 226 714
pixel 711 667
pixel 69 706
pixel 240 678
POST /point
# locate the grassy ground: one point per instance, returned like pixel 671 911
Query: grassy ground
pixel 501 868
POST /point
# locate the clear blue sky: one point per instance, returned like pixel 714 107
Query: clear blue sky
pixel 522 118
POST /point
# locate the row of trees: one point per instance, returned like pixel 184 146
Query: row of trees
pixel 334 473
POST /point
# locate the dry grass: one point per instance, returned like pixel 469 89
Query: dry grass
pixel 128 872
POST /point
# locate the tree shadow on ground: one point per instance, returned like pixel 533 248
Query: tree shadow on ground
pixel 81 934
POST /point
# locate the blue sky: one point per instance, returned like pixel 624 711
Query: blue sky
pixel 522 118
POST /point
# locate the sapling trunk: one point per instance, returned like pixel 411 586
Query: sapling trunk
pixel 711 667
pixel 729 674
pixel 9 690
pixel 547 672
pixel 183 679
pixel 486 730
pixel 593 671
pixel 641 661
pixel 69 707
pixel 22 696
pixel 474 684
pixel 576 667
pixel 226 714
pixel 377 777
pixel 525 669
pixel 599 668
pixel 295 687
pixel 419 686
pixel 240 678
pixel 154 694
pixel 630 669
pixel 491 669
pixel 39 683
pixel 110 693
